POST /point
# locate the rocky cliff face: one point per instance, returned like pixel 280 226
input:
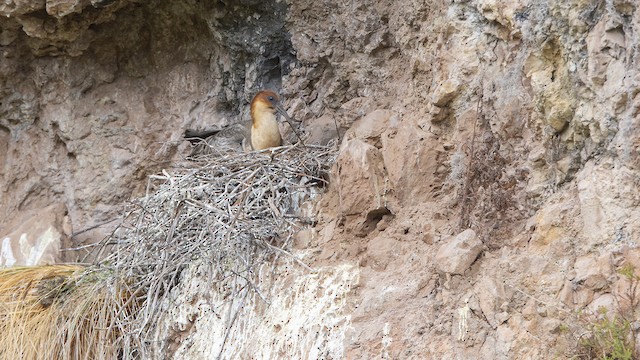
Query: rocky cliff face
pixel 95 96
pixel 517 120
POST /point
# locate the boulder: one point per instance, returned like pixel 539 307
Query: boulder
pixel 457 255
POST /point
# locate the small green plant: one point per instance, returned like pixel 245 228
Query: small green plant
pixel 610 339
pixel 564 328
pixel 630 296
pixel 612 336
pixel 628 271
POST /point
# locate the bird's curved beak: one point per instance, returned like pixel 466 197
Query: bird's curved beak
pixel 283 112
pixel 289 120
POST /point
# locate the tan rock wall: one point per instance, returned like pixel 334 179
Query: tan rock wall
pixel 518 120
pixel 505 118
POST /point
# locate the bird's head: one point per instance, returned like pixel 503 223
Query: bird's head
pixel 264 103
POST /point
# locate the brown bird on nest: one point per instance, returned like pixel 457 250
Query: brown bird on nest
pixel 265 132
pixel 264 129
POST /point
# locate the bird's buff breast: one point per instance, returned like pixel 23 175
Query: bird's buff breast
pixel 266 134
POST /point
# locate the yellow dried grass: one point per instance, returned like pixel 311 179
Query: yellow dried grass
pixel 60 312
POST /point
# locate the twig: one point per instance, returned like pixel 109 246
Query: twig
pixel 92 227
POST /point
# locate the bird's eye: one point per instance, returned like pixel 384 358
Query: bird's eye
pixel 270 98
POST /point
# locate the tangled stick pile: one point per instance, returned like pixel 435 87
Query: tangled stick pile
pixel 231 212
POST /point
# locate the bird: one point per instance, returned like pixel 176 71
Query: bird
pixel 230 139
pixel 265 132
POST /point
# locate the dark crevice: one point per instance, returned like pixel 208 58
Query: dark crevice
pixel 373 218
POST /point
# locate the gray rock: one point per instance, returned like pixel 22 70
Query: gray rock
pixel 458 254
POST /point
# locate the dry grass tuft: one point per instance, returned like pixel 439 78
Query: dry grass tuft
pixel 56 312
pixel 233 212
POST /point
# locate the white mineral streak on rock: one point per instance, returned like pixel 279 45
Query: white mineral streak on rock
pixel 37 241
pixel 306 318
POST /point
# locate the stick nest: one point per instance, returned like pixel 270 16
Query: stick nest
pixel 233 211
